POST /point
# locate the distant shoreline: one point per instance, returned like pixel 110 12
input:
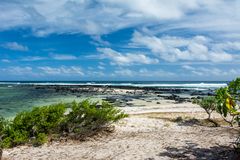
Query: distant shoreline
pixel 127 84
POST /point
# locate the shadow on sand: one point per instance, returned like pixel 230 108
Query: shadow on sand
pixel 193 151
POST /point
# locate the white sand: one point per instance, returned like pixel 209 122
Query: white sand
pixel 134 138
pixel 165 106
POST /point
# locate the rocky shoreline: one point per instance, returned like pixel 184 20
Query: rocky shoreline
pixel 131 91
pixel 23 97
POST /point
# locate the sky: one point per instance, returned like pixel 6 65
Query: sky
pixel 96 40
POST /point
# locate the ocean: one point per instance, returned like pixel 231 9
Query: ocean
pixel 174 84
pixel 16 96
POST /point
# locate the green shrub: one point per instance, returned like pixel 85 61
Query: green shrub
pixel 88 117
pixel 34 127
pixel 234 89
pixel 226 105
pixel 228 100
pixel 30 126
pixel 6 142
pixel 40 120
pixel 40 139
pixel 3 127
pixel 195 101
pixel 20 137
pixel 208 104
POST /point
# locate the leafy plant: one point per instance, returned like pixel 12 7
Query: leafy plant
pixel 34 127
pixel 1 135
pixel 234 89
pixel 40 120
pixel 226 103
pixel 30 126
pixel 228 99
pixel 86 117
pixel 208 104
pixel 40 139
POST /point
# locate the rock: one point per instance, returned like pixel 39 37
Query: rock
pixel 111 99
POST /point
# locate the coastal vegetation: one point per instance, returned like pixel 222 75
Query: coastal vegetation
pixel 209 104
pixel 226 103
pixel 69 120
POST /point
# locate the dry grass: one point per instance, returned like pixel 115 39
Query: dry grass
pixel 187 118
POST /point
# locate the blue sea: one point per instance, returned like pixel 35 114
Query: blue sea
pixel 165 84
pixel 16 96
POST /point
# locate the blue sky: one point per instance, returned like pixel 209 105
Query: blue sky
pixel 119 40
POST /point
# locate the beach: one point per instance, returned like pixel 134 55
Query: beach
pixel 162 124
pixel 119 80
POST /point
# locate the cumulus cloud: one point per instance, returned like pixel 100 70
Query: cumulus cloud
pixel 104 16
pixel 14 46
pixel 125 59
pixel 197 48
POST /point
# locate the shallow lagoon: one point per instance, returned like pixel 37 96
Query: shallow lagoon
pixel 15 98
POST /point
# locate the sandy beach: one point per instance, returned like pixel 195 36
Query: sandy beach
pixel 119 80
pixel 157 128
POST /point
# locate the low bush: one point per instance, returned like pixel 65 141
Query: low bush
pixel 86 118
pixel 226 103
pixel 208 104
pixel 35 126
pixel 28 126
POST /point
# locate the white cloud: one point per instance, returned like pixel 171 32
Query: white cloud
pixel 95 74
pixel 98 41
pixel 155 73
pixel 197 48
pixel 62 71
pixel 19 71
pixel 33 58
pixel 51 57
pixel 104 16
pixel 125 59
pixel 63 56
pixel 14 46
pixel 124 72
pixel 102 64
pixel 143 72
pixel 5 60
pixel 228 46
pixel 211 71
pixel 101 67
pixel 187 67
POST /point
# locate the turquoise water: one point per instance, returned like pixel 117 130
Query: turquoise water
pixel 19 96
